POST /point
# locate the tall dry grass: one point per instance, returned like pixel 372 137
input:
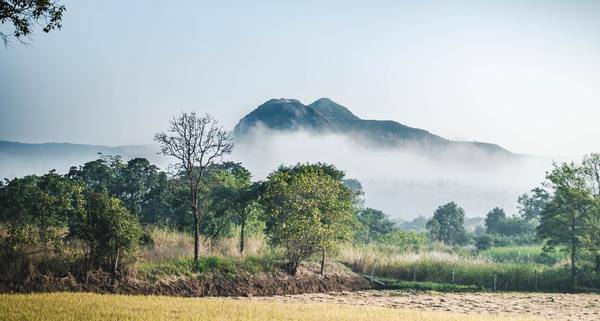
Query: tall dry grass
pixel 171 245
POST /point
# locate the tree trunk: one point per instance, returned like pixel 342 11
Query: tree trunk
pixel 323 262
pixel 573 249
pixel 196 224
pixel 196 234
pixel 116 268
pixel 242 235
pixel 573 266
pixel 293 265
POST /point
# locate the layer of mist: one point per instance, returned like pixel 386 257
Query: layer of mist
pixel 403 182
pixel 20 159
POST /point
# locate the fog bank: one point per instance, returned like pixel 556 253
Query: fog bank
pixel 403 182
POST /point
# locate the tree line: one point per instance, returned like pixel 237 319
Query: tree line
pixel 563 213
pixel 105 205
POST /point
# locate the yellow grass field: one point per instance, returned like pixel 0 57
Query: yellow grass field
pixel 87 306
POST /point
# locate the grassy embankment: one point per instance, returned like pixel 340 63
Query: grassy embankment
pixel 90 307
pixel 438 268
pixel 434 267
pixel 502 269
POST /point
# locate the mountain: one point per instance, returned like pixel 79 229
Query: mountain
pixel 284 114
pixel 18 159
pixel 326 116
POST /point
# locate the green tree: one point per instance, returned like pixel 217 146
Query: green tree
pixel 591 174
pixel 494 219
pixel 196 142
pixel 100 175
pixel 307 210
pixel 35 212
pixel 237 194
pixel 374 223
pixel 447 224
pixel 498 223
pixel 217 219
pixel 139 181
pixel 24 15
pixel 139 184
pixel 531 205
pixel 356 187
pixel 563 220
pixel 111 233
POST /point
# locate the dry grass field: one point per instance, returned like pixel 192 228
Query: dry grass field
pixel 89 307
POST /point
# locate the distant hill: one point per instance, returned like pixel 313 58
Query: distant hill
pixel 326 116
pixel 18 159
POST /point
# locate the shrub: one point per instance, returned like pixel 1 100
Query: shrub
pixel 111 233
pixel 483 242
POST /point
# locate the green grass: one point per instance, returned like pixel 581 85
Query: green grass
pixel 522 254
pixel 507 276
pixel 441 267
pixel 206 264
pixel 429 286
pixel 92 307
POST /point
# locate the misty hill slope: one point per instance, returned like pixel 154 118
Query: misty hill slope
pixel 18 159
pixel 327 116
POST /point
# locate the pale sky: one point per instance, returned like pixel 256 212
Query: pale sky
pixel 522 74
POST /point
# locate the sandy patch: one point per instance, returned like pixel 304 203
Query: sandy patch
pixel 549 306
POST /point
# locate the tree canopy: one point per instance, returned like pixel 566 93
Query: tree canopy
pixel 24 15
pixel 307 210
pixel 447 224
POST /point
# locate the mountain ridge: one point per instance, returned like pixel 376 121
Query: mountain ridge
pixel 326 116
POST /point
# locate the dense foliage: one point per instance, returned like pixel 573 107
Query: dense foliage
pixel 447 224
pixel 307 210
pixel 570 218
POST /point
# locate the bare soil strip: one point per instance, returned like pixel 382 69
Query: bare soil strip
pixel 548 306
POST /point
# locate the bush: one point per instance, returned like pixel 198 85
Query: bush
pixel 111 233
pixel 483 242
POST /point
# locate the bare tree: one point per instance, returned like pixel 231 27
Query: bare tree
pixel 196 142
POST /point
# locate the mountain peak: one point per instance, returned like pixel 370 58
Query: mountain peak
pixel 282 114
pixel 282 101
pixel 326 116
pixel 332 110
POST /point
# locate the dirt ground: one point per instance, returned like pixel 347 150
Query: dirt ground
pixel 548 306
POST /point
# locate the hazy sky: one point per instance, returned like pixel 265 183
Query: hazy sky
pixel 523 74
